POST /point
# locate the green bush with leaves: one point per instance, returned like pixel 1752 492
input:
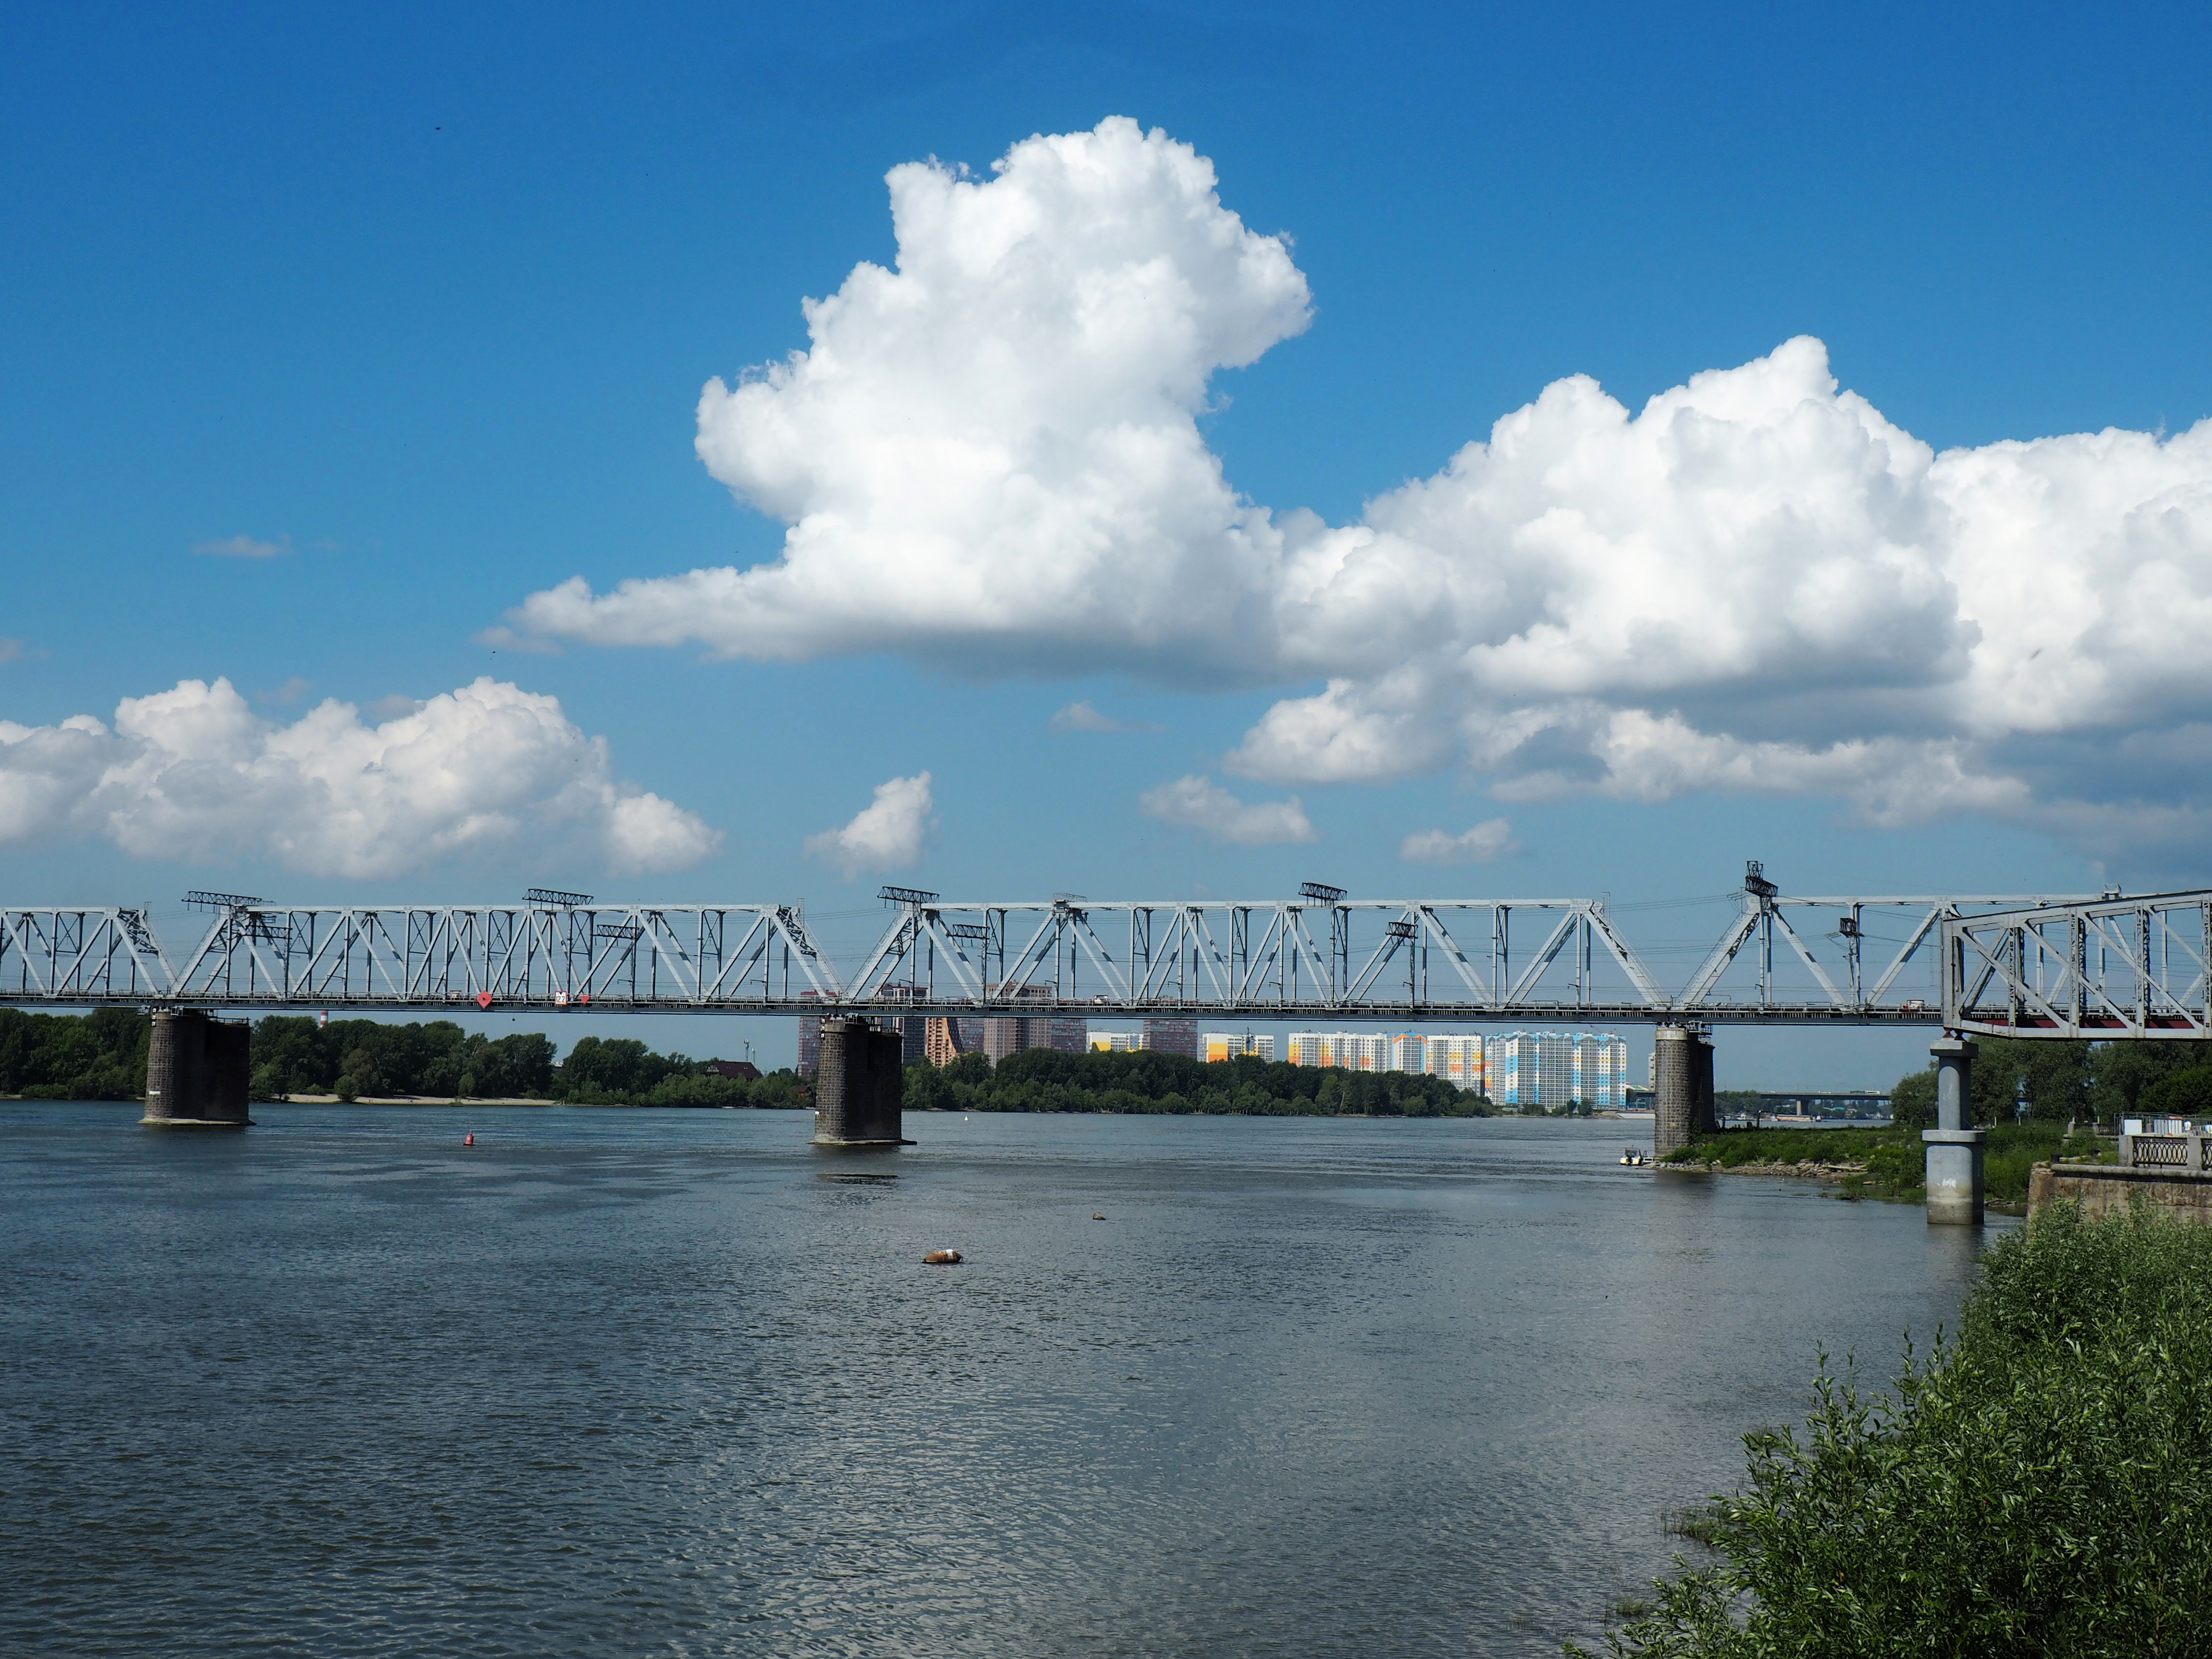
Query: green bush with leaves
pixel 2042 1485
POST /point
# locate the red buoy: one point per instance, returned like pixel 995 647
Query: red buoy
pixel 470 1141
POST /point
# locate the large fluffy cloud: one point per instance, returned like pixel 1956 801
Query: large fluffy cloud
pixel 194 774
pixel 1756 580
pixel 888 833
pixel 995 448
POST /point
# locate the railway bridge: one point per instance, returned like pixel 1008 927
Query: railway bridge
pixel 2107 965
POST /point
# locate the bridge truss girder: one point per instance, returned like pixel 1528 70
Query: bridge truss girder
pixel 1398 961
pixel 2111 968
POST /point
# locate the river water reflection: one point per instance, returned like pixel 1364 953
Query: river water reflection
pixel 627 1381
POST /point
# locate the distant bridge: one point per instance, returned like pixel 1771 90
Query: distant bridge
pixel 2034 965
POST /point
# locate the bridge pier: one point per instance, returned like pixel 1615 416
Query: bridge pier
pixel 197 1070
pixel 1954 1147
pixel 1682 1096
pixel 860 1087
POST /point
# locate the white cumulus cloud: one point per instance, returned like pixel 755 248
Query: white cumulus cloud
pixel 194 774
pixel 1485 843
pixel 1202 803
pixel 887 834
pixel 999 432
pixel 989 454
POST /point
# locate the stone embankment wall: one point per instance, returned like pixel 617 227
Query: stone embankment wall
pixel 2100 1189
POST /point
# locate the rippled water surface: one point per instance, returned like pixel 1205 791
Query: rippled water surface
pixel 633 1382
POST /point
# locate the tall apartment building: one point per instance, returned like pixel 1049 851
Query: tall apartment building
pixel 1457 1057
pixel 1116 1042
pixel 1009 1034
pixel 1172 1036
pixel 1004 1035
pixel 1356 1051
pixel 1552 1070
pixel 1409 1052
pixel 1068 1036
pixel 1235 1045
pixel 941 1043
pixel 810 1038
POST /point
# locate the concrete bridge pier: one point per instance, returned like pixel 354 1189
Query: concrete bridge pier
pixel 1682 1098
pixel 197 1070
pixel 860 1087
pixel 1954 1148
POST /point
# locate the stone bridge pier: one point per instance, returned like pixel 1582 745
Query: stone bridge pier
pixel 197 1070
pixel 860 1087
pixel 1682 1098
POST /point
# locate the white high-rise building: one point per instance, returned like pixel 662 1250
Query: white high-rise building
pixel 1116 1042
pixel 1553 1070
pixel 1356 1051
pixel 1409 1052
pixel 1457 1057
pixel 1235 1045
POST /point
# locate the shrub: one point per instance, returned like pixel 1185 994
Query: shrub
pixel 2042 1485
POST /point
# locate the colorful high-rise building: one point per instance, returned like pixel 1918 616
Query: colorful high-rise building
pixel 1355 1051
pixel 1553 1070
pixel 941 1042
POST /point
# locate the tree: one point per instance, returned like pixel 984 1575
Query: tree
pixel 1912 1101
pixel 2123 1070
pixel 2054 1074
pixel 2179 1094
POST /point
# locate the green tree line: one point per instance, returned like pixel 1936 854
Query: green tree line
pixel 95 1056
pixel 351 1058
pixel 2069 1082
pixel 102 1056
pixel 1145 1081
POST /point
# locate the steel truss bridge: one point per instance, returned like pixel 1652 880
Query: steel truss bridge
pixel 2031 966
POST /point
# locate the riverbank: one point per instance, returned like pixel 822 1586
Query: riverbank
pixel 1888 1163
pixel 2042 1483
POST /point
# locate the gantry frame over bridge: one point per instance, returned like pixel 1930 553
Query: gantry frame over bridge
pixel 1322 955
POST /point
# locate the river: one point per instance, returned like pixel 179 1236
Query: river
pixel 622 1382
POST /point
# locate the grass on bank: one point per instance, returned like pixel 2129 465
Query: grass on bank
pixel 2040 1484
pixel 1893 1161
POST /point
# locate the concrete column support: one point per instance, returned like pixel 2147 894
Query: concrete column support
pixel 197 1071
pixel 1954 1147
pixel 860 1087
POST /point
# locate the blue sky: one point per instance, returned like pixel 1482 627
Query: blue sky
pixel 424 300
